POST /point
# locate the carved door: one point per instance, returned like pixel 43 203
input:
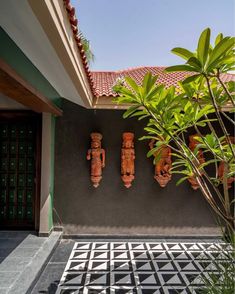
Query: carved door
pixel 19 176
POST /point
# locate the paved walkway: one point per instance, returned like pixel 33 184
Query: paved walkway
pixel 22 256
pixel 128 267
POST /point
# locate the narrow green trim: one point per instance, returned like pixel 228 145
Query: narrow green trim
pixel 50 214
pixel 13 56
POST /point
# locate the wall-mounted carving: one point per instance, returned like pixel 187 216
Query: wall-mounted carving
pixel 221 169
pixel 164 164
pixel 192 145
pixel 128 159
pixel 97 156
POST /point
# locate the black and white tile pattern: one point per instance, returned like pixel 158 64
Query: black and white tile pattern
pixel 138 267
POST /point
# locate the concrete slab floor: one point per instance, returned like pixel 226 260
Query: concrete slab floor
pixel 22 256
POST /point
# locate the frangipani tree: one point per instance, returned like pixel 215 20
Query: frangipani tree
pixel 199 104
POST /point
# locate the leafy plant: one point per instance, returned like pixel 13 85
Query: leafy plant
pixel 198 103
pixel 87 48
pixel 219 277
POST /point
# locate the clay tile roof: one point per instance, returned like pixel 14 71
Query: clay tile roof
pixel 101 82
pixel 105 80
pixel 74 26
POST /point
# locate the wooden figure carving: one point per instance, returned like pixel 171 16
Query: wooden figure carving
pixel 97 156
pixel 127 159
pixel 192 145
pixel 221 169
pixel 164 164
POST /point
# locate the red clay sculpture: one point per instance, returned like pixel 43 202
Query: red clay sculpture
pixel 164 164
pixel 128 159
pixel 97 156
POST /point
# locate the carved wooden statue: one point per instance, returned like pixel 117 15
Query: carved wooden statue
pixel 127 159
pixel 164 164
pixel 192 145
pixel 97 156
pixel 221 169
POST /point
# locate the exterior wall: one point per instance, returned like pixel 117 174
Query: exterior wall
pixel 145 208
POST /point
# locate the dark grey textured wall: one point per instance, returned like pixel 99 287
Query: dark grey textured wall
pixel 111 208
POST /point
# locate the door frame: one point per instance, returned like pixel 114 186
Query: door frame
pixel 24 115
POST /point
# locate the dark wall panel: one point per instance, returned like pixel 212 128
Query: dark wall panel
pixel 111 208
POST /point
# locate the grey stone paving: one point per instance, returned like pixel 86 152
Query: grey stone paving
pixel 22 256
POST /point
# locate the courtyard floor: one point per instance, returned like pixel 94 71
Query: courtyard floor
pixel 128 266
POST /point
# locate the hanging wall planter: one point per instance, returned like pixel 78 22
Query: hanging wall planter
pixel 163 165
pixel 97 156
pixel 128 159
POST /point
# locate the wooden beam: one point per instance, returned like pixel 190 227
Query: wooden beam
pixel 15 87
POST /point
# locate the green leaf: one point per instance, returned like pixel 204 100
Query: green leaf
pixel 144 116
pixel 190 79
pixel 130 111
pixel 203 46
pixel 157 157
pixel 146 138
pixel 218 38
pixel 182 52
pixel 151 130
pixel 194 62
pixel 183 67
pixel 152 151
pixel 207 163
pixel 139 113
pixel 132 84
pixel 149 81
pixel 123 99
pixel 181 180
pixel 220 49
pixel 124 91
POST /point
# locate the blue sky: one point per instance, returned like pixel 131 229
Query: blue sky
pixel 130 33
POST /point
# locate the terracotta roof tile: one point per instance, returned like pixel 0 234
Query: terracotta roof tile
pixel 105 80
pixel 74 26
pixel 101 82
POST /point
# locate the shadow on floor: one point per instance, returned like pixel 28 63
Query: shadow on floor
pixel 51 289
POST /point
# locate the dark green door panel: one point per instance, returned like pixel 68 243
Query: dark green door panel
pixel 18 157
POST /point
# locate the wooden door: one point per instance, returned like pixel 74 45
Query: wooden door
pixel 19 169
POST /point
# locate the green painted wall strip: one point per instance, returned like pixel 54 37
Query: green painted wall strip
pixel 12 55
pixel 50 214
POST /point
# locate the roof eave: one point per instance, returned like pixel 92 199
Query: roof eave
pixel 53 18
pixel 107 102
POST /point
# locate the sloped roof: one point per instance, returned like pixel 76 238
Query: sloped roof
pixel 102 82
pixel 74 26
pixel 105 80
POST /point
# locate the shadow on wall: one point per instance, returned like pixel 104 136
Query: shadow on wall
pixel 145 208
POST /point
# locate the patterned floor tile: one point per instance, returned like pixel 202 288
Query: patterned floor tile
pixel 139 267
pixel 122 279
pixel 121 265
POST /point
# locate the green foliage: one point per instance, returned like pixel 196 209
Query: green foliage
pixel 207 60
pixel 87 48
pixel 170 114
pixel 219 278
